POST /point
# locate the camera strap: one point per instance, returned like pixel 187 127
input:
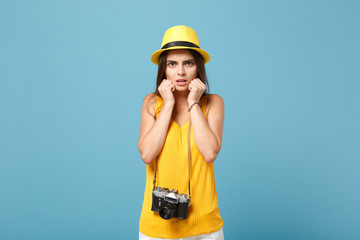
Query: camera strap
pixel 189 159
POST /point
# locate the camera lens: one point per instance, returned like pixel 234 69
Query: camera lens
pixel 167 211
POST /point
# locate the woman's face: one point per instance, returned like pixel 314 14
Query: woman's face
pixel 180 68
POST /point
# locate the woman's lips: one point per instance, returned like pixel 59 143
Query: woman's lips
pixel 181 82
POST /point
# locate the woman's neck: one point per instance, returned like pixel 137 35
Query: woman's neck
pixel 181 99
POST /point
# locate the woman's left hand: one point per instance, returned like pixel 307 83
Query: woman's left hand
pixel 197 88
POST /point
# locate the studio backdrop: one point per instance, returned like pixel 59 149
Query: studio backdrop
pixel 73 75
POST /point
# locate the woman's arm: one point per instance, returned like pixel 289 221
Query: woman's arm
pixel 208 133
pixel 153 132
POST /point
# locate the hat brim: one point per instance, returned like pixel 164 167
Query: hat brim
pixel 155 56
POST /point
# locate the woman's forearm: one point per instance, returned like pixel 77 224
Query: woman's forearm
pixel 206 140
pixel 154 140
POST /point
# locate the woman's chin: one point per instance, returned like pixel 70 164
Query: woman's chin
pixel 181 88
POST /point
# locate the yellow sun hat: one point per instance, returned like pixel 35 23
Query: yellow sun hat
pixel 180 37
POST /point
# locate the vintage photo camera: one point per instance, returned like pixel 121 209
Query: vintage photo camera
pixel 170 203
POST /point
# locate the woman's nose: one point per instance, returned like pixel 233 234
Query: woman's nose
pixel 181 70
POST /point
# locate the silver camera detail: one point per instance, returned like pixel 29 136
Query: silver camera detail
pixel 170 203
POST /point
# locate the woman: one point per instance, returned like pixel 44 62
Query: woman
pixel 180 105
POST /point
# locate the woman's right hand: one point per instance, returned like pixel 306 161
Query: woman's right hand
pixel 166 89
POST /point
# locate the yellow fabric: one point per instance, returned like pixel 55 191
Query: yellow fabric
pixel 172 172
pixel 180 33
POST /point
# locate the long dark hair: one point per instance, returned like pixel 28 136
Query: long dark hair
pixel 199 61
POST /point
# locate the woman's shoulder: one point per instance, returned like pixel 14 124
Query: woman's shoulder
pixel 149 103
pixel 150 97
pixel 214 101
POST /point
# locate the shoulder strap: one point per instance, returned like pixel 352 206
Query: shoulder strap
pixel 189 152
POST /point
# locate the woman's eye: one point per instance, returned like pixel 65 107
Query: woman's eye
pixel 189 63
pixel 171 64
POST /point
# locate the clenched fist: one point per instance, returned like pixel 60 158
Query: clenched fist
pixel 166 89
pixel 197 88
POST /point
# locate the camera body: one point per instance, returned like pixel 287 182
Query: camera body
pixel 170 203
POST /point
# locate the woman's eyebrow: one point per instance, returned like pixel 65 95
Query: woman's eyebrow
pixel 187 60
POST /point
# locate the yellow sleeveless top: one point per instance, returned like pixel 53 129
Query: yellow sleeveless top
pixel 172 172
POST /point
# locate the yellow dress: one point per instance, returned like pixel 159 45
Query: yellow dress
pixel 172 172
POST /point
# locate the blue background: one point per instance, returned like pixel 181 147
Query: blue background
pixel 73 77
